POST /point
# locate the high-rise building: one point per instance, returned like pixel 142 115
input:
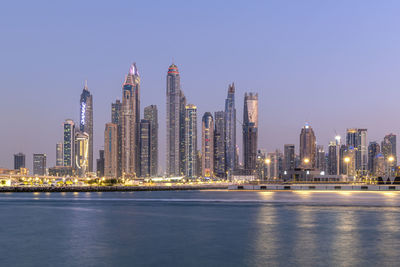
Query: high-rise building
pixel 129 122
pixel 357 139
pixel 86 121
pixel 320 158
pixel 81 153
pixel 274 165
pixel 69 141
pixel 349 161
pixel 176 102
pixel 207 145
pixel 39 164
pixel 100 164
pixel 59 155
pixel 145 148
pixel 219 145
pixel 373 150
pixel 332 159
pixel 307 147
pixel 111 150
pixel 230 130
pixel 289 160
pixel 116 118
pixel 151 115
pixel 191 141
pixel 19 161
pixel 250 131
pixel 388 147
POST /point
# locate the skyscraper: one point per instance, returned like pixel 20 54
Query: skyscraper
pixel 307 147
pixel 69 141
pixel 373 150
pixel 388 147
pixel 250 131
pixel 86 121
pixel 175 122
pixel 207 145
pixel 116 118
pixel 39 164
pixel 145 148
pixel 81 153
pixel 320 158
pixel 219 145
pixel 332 159
pixel 230 129
pixel 289 158
pixel 129 122
pixel 111 150
pixel 357 139
pixel 191 141
pixel 100 164
pixel 151 115
pixel 19 161
pixel 59 154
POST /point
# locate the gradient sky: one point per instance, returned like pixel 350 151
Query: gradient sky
pixel 334 64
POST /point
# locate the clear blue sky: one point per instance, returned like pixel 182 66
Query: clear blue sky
pixel 334 64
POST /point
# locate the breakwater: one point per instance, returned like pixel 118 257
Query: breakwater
pixel 8 189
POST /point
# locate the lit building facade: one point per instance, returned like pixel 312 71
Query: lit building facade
pixel 307 147
pixel 250 131
pixel 373 150
pixel 111 150
pixel 219 145
pixel 86 121
pixel 289 161
pixel 69 141
pixel 39 164
pixel 59 155
pixel 129 122
pixel 116 118
pixel 81 153
pixel 207 145
pixel 145 148
pixel 151 115
pixel 230 130
pixel 191 141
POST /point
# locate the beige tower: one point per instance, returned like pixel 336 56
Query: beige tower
pixel 111 150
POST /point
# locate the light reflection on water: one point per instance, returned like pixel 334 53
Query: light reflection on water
pixel 207 228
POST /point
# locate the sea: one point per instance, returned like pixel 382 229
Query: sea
pixel 200 228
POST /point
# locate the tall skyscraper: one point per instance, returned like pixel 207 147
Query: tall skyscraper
pixel 175 123
pixel 145 148
pixel 81 153
pixel 19 161
pixel 320 158
pixel 357 139
pixel 207 145
pixel 388 147
pixel 39 164
pixel 191 141
pixel 86 121
pixel 219 145
pixel 332 159
pixel 151 115
pixel 373 150
pixel 69 141
pixel 116 118
pixel 307 147
pixel 111 150
pixel 289 157
pixel 59 155
pixel 230 130
pixel 130 121
pixel 250 131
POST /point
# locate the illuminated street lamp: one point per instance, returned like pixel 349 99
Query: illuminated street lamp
pixel 347 160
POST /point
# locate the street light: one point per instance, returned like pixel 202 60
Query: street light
pixel 347 160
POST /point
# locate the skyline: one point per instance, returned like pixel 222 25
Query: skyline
pixel 285 71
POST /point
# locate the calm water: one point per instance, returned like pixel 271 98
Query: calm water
pixel 200 228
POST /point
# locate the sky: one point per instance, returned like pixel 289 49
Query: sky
pixel 333 64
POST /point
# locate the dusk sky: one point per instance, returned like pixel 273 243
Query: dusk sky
pixel 334 64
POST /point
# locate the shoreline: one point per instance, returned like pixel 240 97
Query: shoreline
pixel 33 189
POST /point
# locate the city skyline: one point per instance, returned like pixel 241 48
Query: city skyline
pixel 327 74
